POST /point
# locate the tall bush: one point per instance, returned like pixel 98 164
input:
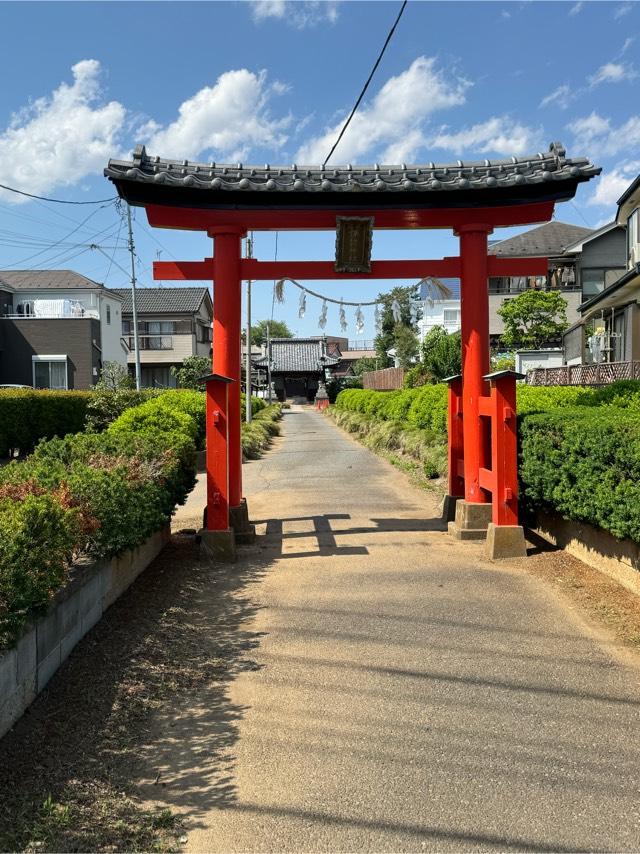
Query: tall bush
pixel 29 415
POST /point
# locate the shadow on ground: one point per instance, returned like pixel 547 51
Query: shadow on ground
pixel 76 769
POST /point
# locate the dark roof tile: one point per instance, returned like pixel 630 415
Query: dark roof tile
pixel 296 355
pixel 549 239
pixel 163 300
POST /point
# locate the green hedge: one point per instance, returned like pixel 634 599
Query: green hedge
pixel 424 407
pixel 257 435
pixel 27 416
pixel 579 447
pixel 584 462
pixel 92 493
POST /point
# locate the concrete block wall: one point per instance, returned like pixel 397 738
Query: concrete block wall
pixel 92 588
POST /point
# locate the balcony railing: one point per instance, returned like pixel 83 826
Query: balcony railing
pixel 602 373
pixel 151 342
pixel 87 313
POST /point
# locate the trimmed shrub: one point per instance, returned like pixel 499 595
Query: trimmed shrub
pixel 29 415
pixel 584 462
pixel 257 435
pixel 424 407
pixel 37 538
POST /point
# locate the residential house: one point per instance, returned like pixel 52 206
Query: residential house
pixel 439 312
pixel 173 324
pixel 57 328
pixel 551 241
pixel 609 328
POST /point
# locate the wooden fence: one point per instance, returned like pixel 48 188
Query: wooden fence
pixel 600 374
pixel 387 379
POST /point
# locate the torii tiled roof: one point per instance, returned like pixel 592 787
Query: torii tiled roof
pixel 296 356
pixel 162 300
pixel 549 239
pixel 554 175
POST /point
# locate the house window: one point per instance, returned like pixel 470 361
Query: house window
pixel 633 238
pixel 108 314
pixel 50 372
pixel 596 279
pixel 450 316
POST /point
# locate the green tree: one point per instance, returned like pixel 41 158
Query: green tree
pixel 533 319
pixel 441 353
pixel 406 345
pixel 368 363
pixel 277 328
pixel 192 369
pixel 114 377
pixel 390 334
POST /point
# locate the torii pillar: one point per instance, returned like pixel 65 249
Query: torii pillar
pixel 227 301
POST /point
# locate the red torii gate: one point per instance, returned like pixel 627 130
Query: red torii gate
pixel 472 199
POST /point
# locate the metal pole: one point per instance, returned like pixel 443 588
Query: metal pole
pixel 136 347
pixel 269 360
pixel 247 370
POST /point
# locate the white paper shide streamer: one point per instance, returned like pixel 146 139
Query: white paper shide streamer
pixel 343 319
pixel 396 311
pixel 302 307
pixel 359 321
pixel 322 322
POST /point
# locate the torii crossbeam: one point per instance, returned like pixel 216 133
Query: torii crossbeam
pixel 470 198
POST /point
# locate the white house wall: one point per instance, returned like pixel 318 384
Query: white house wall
pixel 111 333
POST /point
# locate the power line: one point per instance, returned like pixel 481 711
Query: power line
pixel 58 242
pixel 366 85
pixel 58 201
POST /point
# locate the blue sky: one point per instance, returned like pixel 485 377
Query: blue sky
pixel 272 81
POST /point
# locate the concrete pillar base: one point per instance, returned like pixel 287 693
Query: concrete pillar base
pixel 504 541
pixel 449 507
pixel 471 521
pixel 217 546
pixel 239 520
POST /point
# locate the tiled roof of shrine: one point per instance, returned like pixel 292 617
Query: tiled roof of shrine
pixel 552 169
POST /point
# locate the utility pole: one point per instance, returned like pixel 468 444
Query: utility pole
pixel 136 346
pixel 269 360
pixel 247 370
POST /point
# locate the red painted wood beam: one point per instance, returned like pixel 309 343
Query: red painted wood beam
pixel 250 268
pixel 166 216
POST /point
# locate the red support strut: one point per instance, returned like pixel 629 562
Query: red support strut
pixel 474 294
pixel 226 342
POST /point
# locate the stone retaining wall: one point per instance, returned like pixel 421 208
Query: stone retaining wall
pixel 619 559
pixel 76 608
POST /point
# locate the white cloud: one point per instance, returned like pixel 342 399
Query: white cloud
pixel 627 44
pixel 61 138
pixel 576 8
pixel 392 122
pixel 296 13
pixel 227 119
pixel 505 15
pixel 612 72
pixel 622 10
pixel 596 135
pixel 560 97
pixel 497 135
pixel 612 185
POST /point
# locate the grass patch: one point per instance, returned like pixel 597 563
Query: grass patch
pixel 259 433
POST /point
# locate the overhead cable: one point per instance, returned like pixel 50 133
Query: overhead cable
pixel 366 85
pixel 58 201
